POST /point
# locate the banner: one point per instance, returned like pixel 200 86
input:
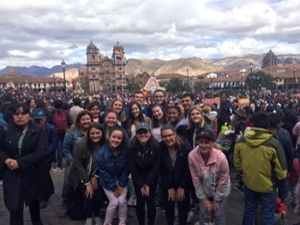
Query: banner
pixel 242 102
pixel 210 101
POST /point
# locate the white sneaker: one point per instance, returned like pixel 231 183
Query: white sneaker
pixel 98 221
pixel 130 201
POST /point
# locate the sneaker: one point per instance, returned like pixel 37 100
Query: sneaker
pixel 98 221
pixel 63 212
pixel 43 204
pixel 89 221
pixel 189 216
pixel 239 188
pixel 130 201
pixel 162 208
pixel 57 168
pixel 134 202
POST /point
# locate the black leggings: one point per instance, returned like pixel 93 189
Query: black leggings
pixel 16 217
pixel 182 208
pixel 140 205
pixel 91 205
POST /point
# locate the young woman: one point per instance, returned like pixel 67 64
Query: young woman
pixel 72 137
pixel 196 124
pixel 210 174
pixel 84 171
pixel 143 163
pixel 159 118
pixel 31 104
pixel 175 175
pixel 110 121
pixel 113 174
pixel 94 109
pixel 135 117
pixel 118 106
pixel 23 150
pixel 177 120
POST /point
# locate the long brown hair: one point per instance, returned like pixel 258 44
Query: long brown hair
pixel 164 120
pixel 191 125
pixel 136 145
pixel 122 114
pixel 178 141
pixel 131 118
pixel 90 144
pixel 78 118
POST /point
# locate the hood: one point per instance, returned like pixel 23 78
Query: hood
pixel 256 136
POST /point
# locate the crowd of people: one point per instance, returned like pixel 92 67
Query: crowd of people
pixel 167 152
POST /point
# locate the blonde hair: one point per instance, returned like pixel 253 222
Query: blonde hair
pixel 122 114
pixel 206 109
pixel 190 123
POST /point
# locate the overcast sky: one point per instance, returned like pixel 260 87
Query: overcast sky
pixel 45 32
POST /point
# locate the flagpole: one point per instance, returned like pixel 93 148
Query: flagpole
pixel 115 75
pixel 122 77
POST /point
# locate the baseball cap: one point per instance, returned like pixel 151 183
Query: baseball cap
pixel 38 114
pixel 206 133
pixel 142 126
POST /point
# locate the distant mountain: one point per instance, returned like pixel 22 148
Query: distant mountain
pixel 195 65
pixel 39 71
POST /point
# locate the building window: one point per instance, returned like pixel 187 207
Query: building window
pixel 93 58
pixel 93 69
pixel 34 85
pixel 44 85
pixel 39 85
pixel 81 74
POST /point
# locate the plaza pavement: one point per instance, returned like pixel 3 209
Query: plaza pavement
pixel 234 209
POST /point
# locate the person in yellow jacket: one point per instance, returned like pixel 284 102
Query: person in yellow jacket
pixel 260 157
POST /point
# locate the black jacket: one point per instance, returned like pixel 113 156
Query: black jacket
pixel 144 169
pixel 190 133
pixel 32 177
pixel 179 175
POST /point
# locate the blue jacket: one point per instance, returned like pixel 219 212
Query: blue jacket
pixel 288 149
pixel 52 142
pixel 112 169
pixel 71 139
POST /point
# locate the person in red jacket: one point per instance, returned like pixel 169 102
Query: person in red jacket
pixel 293 180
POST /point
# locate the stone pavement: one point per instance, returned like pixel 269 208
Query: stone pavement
pixel 234 209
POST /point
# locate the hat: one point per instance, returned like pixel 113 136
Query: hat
pixel 241 113
pixel 142 126
pixel 280 206
pixel 206 133
pixel 38 114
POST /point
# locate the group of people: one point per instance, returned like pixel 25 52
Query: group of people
pixel 159 155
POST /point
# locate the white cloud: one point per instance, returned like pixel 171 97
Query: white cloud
pixel 45 32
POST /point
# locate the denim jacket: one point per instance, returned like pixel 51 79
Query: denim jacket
pixel 71 139
pixel 112 169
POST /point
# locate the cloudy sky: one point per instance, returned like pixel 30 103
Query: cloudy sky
pixel 45 32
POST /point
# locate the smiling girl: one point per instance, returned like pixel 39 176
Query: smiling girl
pixel 84 172
pixel 113 174
pixel 159 118
pixel 117 105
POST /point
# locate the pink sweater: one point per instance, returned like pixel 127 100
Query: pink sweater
pixel 211 179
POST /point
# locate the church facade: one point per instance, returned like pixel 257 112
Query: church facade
pixel 101 72
pixel 269 61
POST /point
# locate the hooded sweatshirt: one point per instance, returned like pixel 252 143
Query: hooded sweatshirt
pixel 260 157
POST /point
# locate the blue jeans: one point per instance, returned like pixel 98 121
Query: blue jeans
pixel 59 151
pixel 267 202
pixel 283 191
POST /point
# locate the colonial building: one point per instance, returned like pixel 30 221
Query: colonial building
pixel 269 60
pixel 12 79
pixel 101 72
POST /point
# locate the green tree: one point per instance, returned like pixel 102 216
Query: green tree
pixel 227 92
pixel 198 86
pixel 258 80
pixel 175 85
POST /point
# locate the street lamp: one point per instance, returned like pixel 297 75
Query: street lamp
pixel 294 77
pixel 187 76
pixel 251 68
pixel 94 83
pixel 63 64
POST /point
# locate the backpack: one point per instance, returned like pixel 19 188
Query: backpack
pixel 60 122
pixel 76 209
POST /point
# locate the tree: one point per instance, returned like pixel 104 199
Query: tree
pixel 227 92
pixel 175 85
pixel 198 86
pixel 258 80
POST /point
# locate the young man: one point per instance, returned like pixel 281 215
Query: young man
pixel 260 157
pixel 138 97
pixel 187 101
pixel 159 97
